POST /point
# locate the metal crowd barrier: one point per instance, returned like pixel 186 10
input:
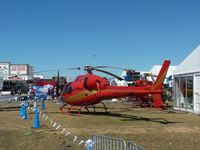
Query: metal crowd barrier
pixel 110 143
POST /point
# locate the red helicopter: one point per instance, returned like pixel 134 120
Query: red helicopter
pixel 90 89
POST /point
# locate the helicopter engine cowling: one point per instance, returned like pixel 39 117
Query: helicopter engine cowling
pixel 95 83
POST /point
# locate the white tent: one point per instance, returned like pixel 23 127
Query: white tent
pixel 190 64
pixel 117 82
pixel 156 69
pixel 187 83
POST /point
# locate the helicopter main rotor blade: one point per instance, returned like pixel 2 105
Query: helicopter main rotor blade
pixel 120 68
pixel 89 67
pixel 51 70
pixel 109 67
pixel 44 71
pixel 119 78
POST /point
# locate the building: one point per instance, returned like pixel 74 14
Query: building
pixel 16 71
pixel 187 83
pixel 4 69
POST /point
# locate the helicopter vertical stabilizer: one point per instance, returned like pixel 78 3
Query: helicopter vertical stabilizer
pixel 161 76
pixel 157 99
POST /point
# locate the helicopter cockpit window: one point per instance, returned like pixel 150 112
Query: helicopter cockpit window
pixel 68 89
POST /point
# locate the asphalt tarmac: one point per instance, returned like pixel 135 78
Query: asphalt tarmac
pixel 8 97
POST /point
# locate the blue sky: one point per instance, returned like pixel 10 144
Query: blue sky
pixel 135 34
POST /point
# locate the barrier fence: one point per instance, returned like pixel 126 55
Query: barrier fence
pixel 110 143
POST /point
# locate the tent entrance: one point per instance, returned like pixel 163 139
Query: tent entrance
pixel 197 93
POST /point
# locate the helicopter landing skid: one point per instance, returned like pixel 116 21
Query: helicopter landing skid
pixel 94 107
pixel 69 109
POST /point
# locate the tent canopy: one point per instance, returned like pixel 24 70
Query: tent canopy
pixel 156 69
pixel 190 64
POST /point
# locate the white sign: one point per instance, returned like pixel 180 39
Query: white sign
pixel 4 68
pixel 39 76
pixel 18 69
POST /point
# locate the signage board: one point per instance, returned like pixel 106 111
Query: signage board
pixel 19 69
pixel 4 68
pixel 43 91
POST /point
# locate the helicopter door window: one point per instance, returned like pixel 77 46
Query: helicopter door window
pixel 68 89
pixel 85 83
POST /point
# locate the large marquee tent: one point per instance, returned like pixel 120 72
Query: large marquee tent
pixel 187 83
